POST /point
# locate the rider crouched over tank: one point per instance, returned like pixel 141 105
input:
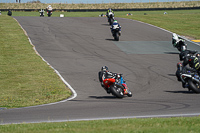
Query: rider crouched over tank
pixel 178 42
pixel 109 11
pixel 49 10
pixel 41 12
pixel 114 26
pixel 113 83
pixel 194 65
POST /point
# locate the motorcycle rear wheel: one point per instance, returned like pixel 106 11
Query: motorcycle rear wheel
pixel 117 91
pixel 193 86
pixel 117 36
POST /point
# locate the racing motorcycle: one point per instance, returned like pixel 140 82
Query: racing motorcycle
pixel 193 81
pixel 179 42
pixel 189 78
pixel 183 56
pixel 115 85
pixel 110 18
pixel 49 13
pixel 41 13
pixel 116 33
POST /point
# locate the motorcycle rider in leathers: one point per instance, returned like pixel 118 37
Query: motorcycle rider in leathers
pixel 49 9
pixel 109 10
pixel 41 12
pixel 194 63
pixel 177 41
pixel 114 26
pixel 186 53
pixel 107 74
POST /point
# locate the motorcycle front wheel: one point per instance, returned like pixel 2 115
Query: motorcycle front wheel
pixel 194 86
pixel 100 76
pixel 117 91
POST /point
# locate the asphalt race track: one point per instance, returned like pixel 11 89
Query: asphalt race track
pixel 79 47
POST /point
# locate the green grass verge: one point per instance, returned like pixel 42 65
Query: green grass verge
pixel 149 125
pixel 25 78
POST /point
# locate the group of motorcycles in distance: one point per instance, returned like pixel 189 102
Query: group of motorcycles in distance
pixel 188 70
pixel 115 27
pixel 49 11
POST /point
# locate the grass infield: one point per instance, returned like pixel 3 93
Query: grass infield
pixel 25 78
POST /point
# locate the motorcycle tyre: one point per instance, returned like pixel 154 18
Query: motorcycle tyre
pixel 115 92
pixel 116 37
pixel 49 14
pixel 100 76
pixel 111 21
pixel 193 87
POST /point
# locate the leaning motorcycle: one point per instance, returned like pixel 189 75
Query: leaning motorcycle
pixel 181 45
pixel 116 86
pixel 193 81
pixel 110 18
pixel 182 56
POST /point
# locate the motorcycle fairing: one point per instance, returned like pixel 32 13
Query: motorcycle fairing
pixel 108 82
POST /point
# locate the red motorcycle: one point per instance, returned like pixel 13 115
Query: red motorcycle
pixel 115 85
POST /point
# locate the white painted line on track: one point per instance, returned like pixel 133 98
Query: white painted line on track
pixel 74 94
pixel 113 118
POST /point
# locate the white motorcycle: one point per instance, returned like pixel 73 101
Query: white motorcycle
pixel 179 42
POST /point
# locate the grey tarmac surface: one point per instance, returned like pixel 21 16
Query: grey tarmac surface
pixel 79 47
